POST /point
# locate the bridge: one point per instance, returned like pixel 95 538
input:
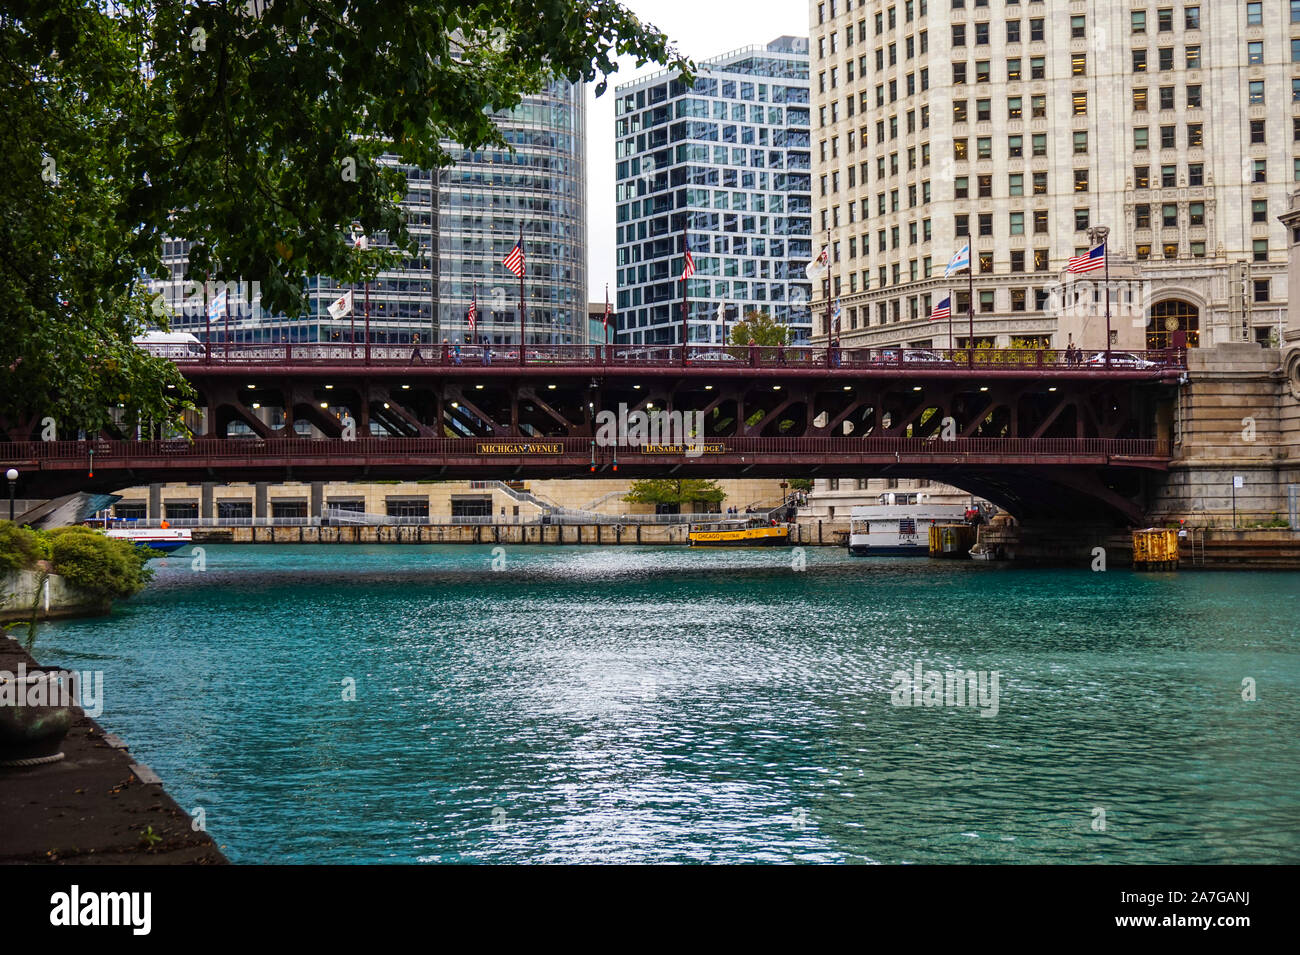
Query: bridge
pixel 1034 430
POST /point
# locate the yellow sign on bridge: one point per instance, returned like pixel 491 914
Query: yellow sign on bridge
pixel 527 447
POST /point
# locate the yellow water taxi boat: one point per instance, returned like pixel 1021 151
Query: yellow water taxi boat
pixel 747 532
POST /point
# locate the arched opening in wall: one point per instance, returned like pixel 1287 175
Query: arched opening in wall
pixel 1174 322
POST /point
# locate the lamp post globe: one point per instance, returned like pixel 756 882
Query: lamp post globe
pixel 12 475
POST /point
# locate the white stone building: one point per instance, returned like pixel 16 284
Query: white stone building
pixel 1023 124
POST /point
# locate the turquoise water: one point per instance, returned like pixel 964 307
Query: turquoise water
pixel 667 705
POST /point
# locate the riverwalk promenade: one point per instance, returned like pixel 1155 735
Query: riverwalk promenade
pixel 98 805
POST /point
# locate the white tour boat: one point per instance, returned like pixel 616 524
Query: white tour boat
pixel 899 524
pixel 162 539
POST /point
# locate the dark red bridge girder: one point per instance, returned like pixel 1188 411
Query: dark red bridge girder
pixel 1019 473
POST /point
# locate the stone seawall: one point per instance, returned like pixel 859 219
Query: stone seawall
pixel 55 597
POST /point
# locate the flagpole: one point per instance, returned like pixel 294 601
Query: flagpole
pixel 1105 255
pixel 951 346
pixel 207 318
pixel 523 308
pixel 227 323
pixel 829 331
pixel 685 281
pixel 970 299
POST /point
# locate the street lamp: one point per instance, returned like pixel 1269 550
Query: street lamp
pixel 12 475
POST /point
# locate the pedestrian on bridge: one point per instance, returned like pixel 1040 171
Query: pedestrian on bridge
pixel 415 350
pixel 753 352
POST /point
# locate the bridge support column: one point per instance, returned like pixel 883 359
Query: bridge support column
pixel 259 501
pixel 155 512
pixel 317 499
pixel 205 501
pixel 1236 417
pixel 290 397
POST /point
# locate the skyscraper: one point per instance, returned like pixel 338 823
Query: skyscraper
pixel 480 207
pixel 726 161
pixel 1027 125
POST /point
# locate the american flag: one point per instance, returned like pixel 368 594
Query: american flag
pixel 515 260
pixel 942 310
pixel 689 269
pixel 472 314
pixel 1094 260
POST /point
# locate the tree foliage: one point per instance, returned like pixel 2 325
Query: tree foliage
pixel 249 130
pixel 662 492
pixel 762 328
pixel 19 548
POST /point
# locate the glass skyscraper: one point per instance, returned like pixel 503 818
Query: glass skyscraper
pixel 478 211
pixel 726 159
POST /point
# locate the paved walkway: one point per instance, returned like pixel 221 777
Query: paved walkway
pixel 93 805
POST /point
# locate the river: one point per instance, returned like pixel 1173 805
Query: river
pixel 350 704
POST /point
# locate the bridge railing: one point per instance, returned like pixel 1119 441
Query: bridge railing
pixel 123 453
pixel 696 355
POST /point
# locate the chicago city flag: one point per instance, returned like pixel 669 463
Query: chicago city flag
pixel 960 262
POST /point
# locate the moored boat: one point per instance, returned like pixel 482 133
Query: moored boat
pixel 162 539
pixel 747 532
pixel 899 528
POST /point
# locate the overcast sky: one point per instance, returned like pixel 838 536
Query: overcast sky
pixel 701 29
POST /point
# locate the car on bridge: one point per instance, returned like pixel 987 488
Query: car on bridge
pixel 1119 359
pixel 921 356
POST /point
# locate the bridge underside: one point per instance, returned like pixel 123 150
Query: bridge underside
pixel 1042 443
pixel 537 403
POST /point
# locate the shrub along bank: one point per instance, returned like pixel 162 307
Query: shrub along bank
pixel 101 567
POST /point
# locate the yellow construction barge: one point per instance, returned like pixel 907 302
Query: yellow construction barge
pixel 1155 548
pixel 952 541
